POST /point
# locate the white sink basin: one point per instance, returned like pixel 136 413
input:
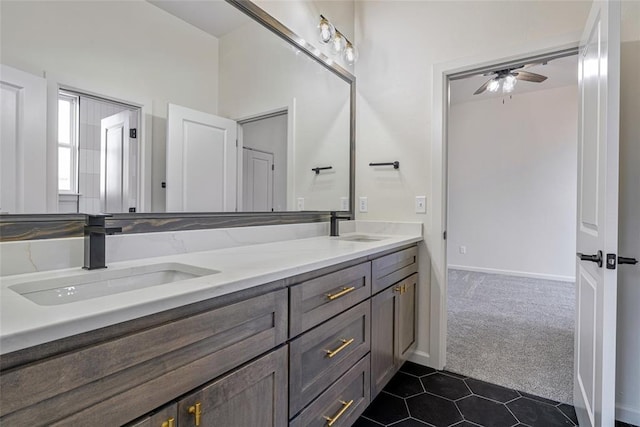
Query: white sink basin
pixel 85 285
pixel 361 238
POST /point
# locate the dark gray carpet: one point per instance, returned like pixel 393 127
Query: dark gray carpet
pixel 512 331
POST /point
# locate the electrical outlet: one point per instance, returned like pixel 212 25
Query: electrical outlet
pixel 344 203
pixel 364 204
pixel 300 203
pixel 463 250
pixel 421 204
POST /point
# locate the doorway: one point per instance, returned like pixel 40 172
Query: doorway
pixel 98 154
pixel 265 158
pixel 511 221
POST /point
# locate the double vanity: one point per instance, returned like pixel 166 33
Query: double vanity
pixel 301 332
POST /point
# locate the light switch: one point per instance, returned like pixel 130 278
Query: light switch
pixel 421 204
pixel 344 203
pixel 364 204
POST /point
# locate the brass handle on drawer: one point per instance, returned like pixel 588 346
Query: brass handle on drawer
pixel 196 410
pixel 345 343
pixel 402 289
pixel 344 291
pixel 345 406
pixel 169 423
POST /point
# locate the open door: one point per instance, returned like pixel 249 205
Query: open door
pixel 597 226
pixel 117 165
pixel 23 142
pixel 201 161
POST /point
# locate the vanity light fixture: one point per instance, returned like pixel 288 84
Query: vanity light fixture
pixel 339 44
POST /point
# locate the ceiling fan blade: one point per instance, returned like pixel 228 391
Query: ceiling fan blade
pixel 482 88
pixel 530 77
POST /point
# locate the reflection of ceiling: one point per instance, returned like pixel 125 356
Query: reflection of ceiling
pixel 215 17
pixel 560 72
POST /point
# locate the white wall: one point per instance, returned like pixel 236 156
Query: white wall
pixel 128 50
pixel 628 337
pixel 259 73
pixel 400 44
pixel 512 184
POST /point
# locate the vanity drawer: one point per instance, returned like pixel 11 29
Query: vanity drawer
pixel 314 301
pixel 389 269
pixel 120 379
pixel 343 402
pixel 322 355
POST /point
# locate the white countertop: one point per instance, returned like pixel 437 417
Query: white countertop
pixel 24 323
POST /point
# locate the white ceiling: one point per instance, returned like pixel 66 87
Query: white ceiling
pixel 560 72
pixel 215 17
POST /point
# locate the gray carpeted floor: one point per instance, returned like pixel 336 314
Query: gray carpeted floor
pixel 512 331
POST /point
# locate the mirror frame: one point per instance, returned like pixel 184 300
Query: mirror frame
pixel 14 227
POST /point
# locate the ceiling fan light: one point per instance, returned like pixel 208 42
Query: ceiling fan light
pixel 494 85
pixel 509 83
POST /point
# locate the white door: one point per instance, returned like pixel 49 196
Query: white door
pixel 115 163
pixel 23 144
pixel 257 180
pixel 597 231
pixel 201 161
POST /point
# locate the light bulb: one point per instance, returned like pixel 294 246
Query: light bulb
pixel 326 31
pixel 350 54
pixel 493 85
pixel 509 83
pixel 338 43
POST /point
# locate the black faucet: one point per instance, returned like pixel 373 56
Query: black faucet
pixel 334 222
pixel 95 233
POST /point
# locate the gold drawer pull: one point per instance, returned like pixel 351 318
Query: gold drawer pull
pixel 402 289
pixel 196 410
pixel 169 423
pixel 345 406
pixel 345 343
pixel 344 291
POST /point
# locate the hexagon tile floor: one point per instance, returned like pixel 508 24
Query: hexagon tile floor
pixel 419 396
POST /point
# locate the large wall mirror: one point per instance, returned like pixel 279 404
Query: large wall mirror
pixel 168 106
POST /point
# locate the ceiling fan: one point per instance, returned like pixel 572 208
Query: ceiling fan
pixel 507 79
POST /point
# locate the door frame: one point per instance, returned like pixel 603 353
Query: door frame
pixel 144 136
pixel 290 111
pixel 436 337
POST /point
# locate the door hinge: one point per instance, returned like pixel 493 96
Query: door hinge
pixel 163 184
pixel 444 235
pixel 611 261
pixel 133 133
pixel 273 167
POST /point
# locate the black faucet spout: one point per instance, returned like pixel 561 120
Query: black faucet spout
pixel 95 233
pixel 334 226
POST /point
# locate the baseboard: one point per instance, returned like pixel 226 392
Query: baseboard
pixel 421 358
pixel 628 415
pixel 514 273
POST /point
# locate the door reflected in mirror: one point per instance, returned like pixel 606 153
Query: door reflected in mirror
pixel 182 106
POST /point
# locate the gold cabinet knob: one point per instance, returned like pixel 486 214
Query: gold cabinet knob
pixel 169 423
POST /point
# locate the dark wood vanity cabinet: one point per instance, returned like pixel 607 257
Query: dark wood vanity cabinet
pixel 394 316
pixel 304 351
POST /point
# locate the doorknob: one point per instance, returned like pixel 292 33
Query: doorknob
pixel 593 258
pixel 625 260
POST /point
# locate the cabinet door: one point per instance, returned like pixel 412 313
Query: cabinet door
pixel 407 321
pixel 165 417
pixel 383 338
pixel 254 395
